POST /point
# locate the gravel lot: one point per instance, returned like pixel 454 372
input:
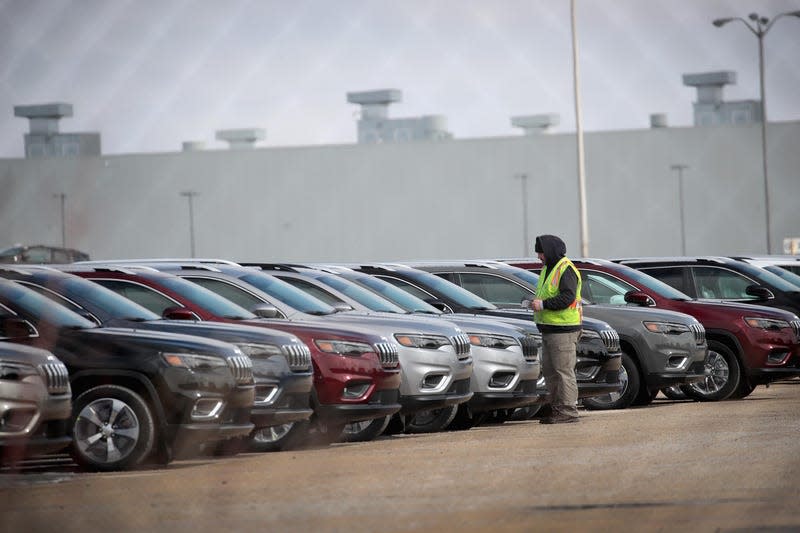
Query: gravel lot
pixel 728 466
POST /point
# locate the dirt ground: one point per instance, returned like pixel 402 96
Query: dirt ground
pixel 671 466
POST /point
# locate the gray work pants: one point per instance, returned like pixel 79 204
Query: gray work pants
pixel 558 368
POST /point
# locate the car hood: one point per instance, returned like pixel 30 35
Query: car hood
pixel 231 333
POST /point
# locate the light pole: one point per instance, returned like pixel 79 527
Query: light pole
pixel 680 168
pixel 190 196
pixel 579 131
pixel 62 198
pixel 759 27
pixel 524 180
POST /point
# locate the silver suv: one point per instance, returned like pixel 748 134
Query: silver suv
pixel 660 348
pixel 35 398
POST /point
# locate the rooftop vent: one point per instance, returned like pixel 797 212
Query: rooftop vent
pixel 44 139
pixel 375 127
pixel 242 139
pixel 536 124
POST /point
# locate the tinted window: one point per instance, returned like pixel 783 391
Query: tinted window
pixel 145 296
pixel 604 289
pixel 672 276
pixel 291 296
pixel 785 274
pixel 36 307
pixel 451 290
pixel 228 291
pixel 499 291
pixel 404 299
pixel 313 290
pixel 83 290
pixel 363 296
pixel 408 287
pixel 720 283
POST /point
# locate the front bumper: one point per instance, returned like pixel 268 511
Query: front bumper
pixel 381 403
pixel 284 400
pixel 457 393
pixel 524 394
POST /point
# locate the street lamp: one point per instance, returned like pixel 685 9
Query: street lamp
pixel 579 133
pixel 524 180
pixel 759 27
pixel 62 197
pixel 680 168
pixel 190 196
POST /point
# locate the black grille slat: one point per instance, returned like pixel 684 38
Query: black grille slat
pixel 530 347
pixel 56 377
pixel 611 340
pixel 242 368
pixel 388 353
pixel 298 356
pixel 700 333
pixel 461 345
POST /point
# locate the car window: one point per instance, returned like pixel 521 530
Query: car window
pixel 145 296
pixel 603 289
pixel 228 291
pixel 288 294
pixel 672 276
pixel 721 283
pixel 408 287
pixel 57 298
pixel 500 291
pixel 313 290
pixel 784 274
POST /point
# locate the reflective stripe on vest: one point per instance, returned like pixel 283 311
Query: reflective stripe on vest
pixel 548 288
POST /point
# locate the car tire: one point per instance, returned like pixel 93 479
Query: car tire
pixel 272 438
pixel 112 429
pixel 465 419
pixel 526 413
pixel 366 430
pixel 645 396
pixel 723 380
pixel 674 393
pixel 629 390
pixel 431 421
pixel 744 389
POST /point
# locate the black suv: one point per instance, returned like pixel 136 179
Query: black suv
pixel 281 362
pixel 136 394
pixel 721 279
pixel 599 355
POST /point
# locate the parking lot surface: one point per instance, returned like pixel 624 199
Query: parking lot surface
pixel 671 466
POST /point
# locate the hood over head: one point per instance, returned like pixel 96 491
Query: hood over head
pixel 552 247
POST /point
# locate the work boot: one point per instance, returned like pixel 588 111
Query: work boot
pixel 558 418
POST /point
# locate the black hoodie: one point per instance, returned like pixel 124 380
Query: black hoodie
pixel 554 249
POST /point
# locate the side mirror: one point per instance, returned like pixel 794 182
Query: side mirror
pixel 760 292
pixel 639 298
pixel 178 313
pixel 341 306
pixel 265 311
pixel 12 327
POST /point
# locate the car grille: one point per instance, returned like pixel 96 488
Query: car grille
pixel 700 333
pixel 388 353
pixel 530 347
pixel 796 327
pixel 242 369
pixel 462 345
pixel 298 356
pixel 610 339
pixel 56 376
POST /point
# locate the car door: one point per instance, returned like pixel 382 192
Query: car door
pixel 676 276
pixel 718 283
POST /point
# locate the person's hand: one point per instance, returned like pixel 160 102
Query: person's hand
pixel 537 305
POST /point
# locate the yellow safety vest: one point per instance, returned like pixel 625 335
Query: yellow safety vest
pixel 548 287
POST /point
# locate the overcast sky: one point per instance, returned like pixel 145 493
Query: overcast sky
pixel 151 74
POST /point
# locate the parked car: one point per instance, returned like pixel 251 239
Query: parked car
pixel 659 348
pixel 41 254
pixel 356 371
pixel 281 362
pixel 136 394
pixel 503 378
pixel 599 355
pixel 435 356
pixel 35 398
pixel 721 279
pixel 748 344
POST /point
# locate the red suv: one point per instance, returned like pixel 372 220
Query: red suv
pixel 748 345
pixel 356 372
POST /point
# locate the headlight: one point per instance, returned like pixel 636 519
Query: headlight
pixel 259 350
pixel 427 342
pixel 352 349
pixel 498 342
pixel 667 328
pixel 13 371
pixel 194 361
pixel 588 334
pixel 765 323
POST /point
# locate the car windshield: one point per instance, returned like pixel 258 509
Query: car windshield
pixel 398 296
pixel 288 294
pixel 33 304
pixel 767 278
pixel 452 291
pixel 358 293
pixel 83 290
pixel 208 300
pixel 784 274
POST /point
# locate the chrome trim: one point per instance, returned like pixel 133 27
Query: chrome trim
pixel 531 344
pixel 611 340
pixel 298 356
pixel 388 353
pixel 796 327
pixel 56 377
pixel 462 345
pixel 700 333
pixel 242 369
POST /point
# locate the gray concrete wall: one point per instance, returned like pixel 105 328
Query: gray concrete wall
pixel 448 199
